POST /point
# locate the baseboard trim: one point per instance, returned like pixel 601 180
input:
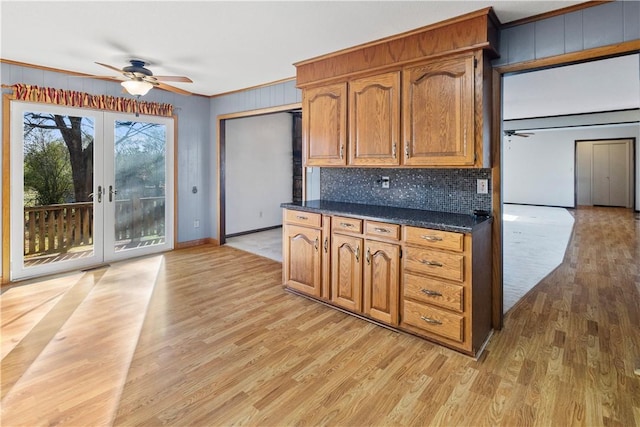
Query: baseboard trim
pixel 242 233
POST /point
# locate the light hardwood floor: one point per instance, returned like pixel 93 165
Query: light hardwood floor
pixel 207 336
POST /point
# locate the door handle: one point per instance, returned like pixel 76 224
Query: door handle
pixel 99 193
pixel 112 191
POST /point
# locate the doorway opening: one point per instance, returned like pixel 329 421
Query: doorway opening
pixel 551 127
pixel 260 167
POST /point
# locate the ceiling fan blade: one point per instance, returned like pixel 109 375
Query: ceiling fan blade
pixel 173 79
pixel 172 89
pixel 110 67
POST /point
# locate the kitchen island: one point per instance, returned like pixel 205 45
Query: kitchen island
pixel 423 272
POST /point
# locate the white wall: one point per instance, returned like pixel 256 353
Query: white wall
pixel 605 85
pixel 539 170
pixel 259 171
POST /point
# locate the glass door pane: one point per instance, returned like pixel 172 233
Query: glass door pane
pixel 137 193
pixel 54 219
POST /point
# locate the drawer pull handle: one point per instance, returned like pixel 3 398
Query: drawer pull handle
pixel 431 293
pixel 432 238
pixel 431 263
pixel 382 230
pixel 346 225
pixel 302 217
pixel 430 320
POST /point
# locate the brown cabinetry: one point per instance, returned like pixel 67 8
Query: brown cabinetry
pixel 418 99
pixel 438 113
pixel 305 253
pixel 432 283
pixel 324 125
pixel 436 126
pixel 381 281
pixel 346 271
pixel 446 286
pixel 374 120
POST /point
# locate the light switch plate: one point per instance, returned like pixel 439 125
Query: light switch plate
pixel 483 186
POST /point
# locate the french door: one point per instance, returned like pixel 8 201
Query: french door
pixel 87 187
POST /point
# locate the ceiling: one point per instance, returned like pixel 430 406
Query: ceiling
pixel 221 46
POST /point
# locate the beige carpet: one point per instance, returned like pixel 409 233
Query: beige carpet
pixel 535 241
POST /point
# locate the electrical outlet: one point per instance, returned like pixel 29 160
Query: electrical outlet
pixel 483 186
pixel 385 182
pixel 196 223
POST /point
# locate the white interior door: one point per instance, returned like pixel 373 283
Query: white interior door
pixel 610 176
pixel 87 187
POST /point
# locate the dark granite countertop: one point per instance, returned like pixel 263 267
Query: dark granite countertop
pixel 419 218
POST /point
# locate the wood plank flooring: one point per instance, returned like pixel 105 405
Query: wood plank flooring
pixel 206 336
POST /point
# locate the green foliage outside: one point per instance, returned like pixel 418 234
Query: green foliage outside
pixel 47 174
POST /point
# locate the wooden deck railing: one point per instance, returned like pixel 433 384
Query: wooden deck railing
pixel 58 228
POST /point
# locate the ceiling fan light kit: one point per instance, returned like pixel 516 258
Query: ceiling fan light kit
pixel 140 80
pixel 137 87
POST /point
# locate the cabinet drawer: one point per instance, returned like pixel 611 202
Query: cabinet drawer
pixel 435 263
pixel 382 229
pixel 434 238
pixel 433 319
pixel 352 225
pixel 434 291
pixel 303 218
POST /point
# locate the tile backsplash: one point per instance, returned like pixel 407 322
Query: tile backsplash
pixel 443 190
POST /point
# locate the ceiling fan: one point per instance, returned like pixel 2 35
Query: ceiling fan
pixel 516 133
pixel 139 80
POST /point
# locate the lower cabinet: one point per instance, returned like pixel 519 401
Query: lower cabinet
pixel 305 252
pixel 381 281
pixel 346 272
pixel 431 283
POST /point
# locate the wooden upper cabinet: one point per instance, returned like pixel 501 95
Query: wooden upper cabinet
pixel 324 122
pixel 374 116
pixel 439 113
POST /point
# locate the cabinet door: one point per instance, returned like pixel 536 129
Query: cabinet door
pixel 381 281
pixel 324 125
pixel 346 271
pixel 374 116
pixel 302 259
pixel 438 113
